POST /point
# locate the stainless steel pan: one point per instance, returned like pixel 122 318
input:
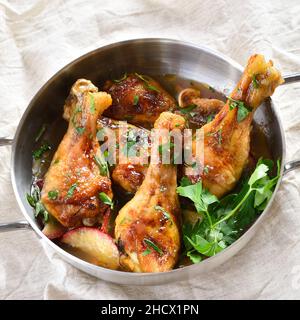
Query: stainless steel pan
pixel 149 56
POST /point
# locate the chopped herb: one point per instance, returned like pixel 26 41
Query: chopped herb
pixel 194 165
pixel 206 169
pixel 177 125
pixel 92 104
pixel 147 82
pixel 121 79
pixel 146 252
pixel 71 190
pixel 106 154
pixel 56 161
pixel 53 194
pixel 210 118
pixel 80 130
pixel 164 212
pixel 37 154
pixel 243 110
pixel 163 148
pixel 188 109
pixel 135 100
pixel 151 244
pixel 34 200
pixel 151 87
pixel 106 199
pixel 211 89
pixel 40 133
pixel 255 82
pixel 102 164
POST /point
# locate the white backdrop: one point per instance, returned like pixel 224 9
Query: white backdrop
pixel 38 37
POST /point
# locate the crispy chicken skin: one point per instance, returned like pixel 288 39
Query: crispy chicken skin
pixel 129 176
pixel 143 218
pixel 226 140
pixel 73 181
pixel 138 101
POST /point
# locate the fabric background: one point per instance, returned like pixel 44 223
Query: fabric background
pixel 38 37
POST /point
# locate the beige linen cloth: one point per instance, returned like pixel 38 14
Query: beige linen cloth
pixel 38 37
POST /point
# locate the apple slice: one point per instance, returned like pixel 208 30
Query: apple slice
pixel 92 245
pixel 53 229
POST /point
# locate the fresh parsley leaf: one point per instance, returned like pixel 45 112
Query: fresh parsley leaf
pixel 226 219
pixel 34 199
pixel 102 165
pixel 194 256
pixel 53 194
pixel 243 110
pixel 106 199
pixel 37 154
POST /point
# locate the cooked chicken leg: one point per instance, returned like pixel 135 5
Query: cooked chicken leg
pixel 147 227
pixel 76 175
pixel 227 137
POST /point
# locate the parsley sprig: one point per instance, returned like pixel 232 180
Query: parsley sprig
pixel 223 221
pixel 243 110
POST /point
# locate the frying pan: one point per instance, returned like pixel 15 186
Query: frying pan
pixel 148 56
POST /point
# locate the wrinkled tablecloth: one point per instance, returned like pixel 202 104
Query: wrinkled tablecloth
pixel 38 37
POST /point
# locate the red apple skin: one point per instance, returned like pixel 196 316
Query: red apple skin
pixel 53 229
pixel 94 245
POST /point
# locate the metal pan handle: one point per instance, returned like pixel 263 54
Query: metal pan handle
pixel 15 225
pixel 295 164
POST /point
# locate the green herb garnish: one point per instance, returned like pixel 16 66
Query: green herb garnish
pixel 210 118
pixel 255 82
pixel 34 200
pixel 102 164
pixel 106 199
pixel 53 194
pixel 71 190
pixel 152 245
pixel 135 100
pixel 223 221
pixel 146 252
pixel 188 109
pixel 164 212
pixel 243 110
pixel 80 130
pixel 147 82
pixel 37 154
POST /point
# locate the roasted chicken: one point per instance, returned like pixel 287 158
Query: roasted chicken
pixel 138 99
pixel 76 175
pixel 129 176
pixel 148 227
pixel 197 111
pixel 226 140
